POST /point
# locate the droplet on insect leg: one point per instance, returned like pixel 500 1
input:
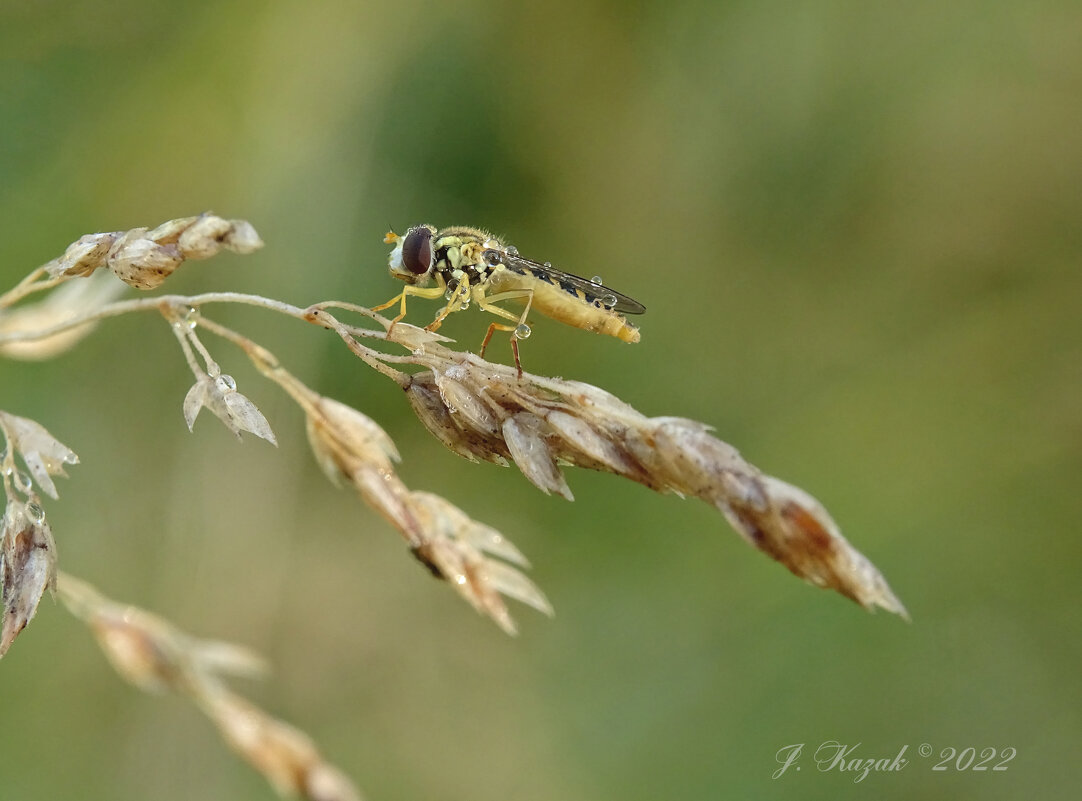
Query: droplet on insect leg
pixel 522 331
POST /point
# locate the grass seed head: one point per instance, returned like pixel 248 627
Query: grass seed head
pixel 545 423
pixel 27 567
pixel 143 258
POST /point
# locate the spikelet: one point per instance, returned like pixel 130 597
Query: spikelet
pixel 485 411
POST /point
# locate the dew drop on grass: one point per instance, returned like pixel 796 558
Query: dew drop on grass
pixel 22 482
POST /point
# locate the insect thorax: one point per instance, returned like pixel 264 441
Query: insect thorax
pixel 458 254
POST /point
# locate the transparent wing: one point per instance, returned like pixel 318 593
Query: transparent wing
pixel 609 298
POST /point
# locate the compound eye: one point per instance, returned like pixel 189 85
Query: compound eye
pixel 417 251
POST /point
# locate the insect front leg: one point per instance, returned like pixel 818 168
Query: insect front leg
pixel 421 292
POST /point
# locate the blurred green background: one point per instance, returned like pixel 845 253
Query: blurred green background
pixel 856 229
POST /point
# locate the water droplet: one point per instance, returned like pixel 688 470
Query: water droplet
pixel 35 512
pixel 609 300
pixel 191 317
pixel 597 280
pixel 492 257
pixel 511 250
pixel 522 331
pixel 449 293
pixel 22 482
pixel 225 383
pixel 547 265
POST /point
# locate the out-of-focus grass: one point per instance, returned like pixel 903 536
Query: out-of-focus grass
pixel 856 232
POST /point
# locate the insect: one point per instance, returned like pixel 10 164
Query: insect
pixel 469 265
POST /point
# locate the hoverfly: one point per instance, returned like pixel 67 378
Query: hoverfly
pixel 469 265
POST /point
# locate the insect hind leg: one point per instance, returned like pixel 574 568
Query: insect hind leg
pixel 486 303
pixel 492 329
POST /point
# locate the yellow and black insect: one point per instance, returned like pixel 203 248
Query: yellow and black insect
pixel 469 265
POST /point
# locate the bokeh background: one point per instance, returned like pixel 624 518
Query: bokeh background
pixel 856 229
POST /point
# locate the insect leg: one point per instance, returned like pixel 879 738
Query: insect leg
pixel 400 296
pixel 461 295
pixel 511 294
pixel 514 350
pixel 421 292
pixel 520 320
pixel 492 328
